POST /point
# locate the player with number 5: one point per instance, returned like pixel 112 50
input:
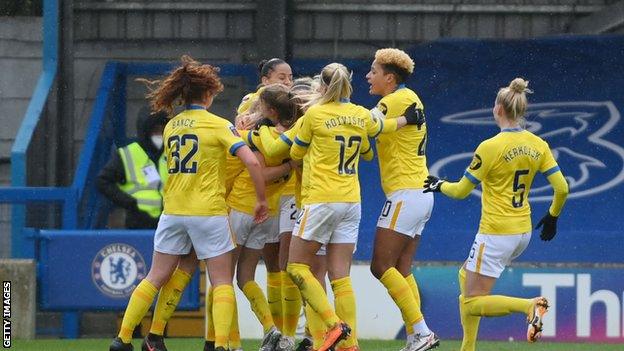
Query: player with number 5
pixel 505 165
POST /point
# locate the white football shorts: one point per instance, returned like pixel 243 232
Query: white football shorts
pixel 250 234
pixel 209 235
pixel 490 254
pixel 336 223
pixel 288 214
pixel 406 211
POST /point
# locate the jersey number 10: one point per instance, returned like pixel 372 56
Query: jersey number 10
pixel 348 166
pixel 182 165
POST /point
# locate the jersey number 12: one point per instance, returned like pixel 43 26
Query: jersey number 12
pixel 346 164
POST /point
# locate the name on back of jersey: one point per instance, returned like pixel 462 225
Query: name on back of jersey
pixel 521 150
pixel 344 120
pixel 183 122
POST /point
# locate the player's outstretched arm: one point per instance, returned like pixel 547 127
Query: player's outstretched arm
pixel 261 212
pixel 548 223
pixel 458 190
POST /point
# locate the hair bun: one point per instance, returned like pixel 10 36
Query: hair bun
pixel 261 64
pixel 519 86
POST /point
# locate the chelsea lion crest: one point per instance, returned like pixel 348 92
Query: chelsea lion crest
pixel 117 269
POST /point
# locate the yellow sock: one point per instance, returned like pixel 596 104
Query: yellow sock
pixel 291 305
pixel 470 324
pixel 411 281
pixel 274 297
pixel 344 300
pixel 496 305
pixel 222 311
pixel 140 302
pixel 259 304
pixel 235 338
pixel 403 297
pixel 312 291
pixel 316 326
pixel 210 332
pixel 168 299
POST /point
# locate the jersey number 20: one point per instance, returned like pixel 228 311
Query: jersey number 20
pixel 182 165
pixel 346 164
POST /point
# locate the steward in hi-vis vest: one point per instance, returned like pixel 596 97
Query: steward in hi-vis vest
pixel 136 173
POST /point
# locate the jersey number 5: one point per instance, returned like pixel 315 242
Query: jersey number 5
pixel 174 143
pixel 348 166
pixel 517 186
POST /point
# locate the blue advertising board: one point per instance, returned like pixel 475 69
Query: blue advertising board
pixel 97 270
pixel 586 304
pixel 576 106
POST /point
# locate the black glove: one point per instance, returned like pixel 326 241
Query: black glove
pixel 433 184
pixel 414 115
pixel 549 228
pixel 264 122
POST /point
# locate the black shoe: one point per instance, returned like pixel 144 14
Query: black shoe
pixel 220 348
pixel 209 346
pixel 153 342
pixel 304 345
pixel 118 345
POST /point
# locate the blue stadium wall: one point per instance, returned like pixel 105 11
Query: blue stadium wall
pixel 578 88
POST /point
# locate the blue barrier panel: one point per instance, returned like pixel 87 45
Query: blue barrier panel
pixel 585 303
pixel 97 270
pixel 579 93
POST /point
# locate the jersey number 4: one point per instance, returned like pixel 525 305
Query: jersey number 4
pixel 181 165
pixel 346 164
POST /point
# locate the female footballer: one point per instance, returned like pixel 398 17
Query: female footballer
pixel 505 165
pixel 195 212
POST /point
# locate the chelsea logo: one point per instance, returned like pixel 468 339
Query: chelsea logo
pixel 117 269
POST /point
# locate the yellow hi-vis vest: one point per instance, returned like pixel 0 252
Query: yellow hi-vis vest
pixel 139 170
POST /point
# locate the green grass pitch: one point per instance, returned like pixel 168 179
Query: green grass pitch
pixel 189 344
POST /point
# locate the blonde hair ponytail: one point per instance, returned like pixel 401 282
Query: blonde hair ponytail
pixel 337 82
pixel 513 99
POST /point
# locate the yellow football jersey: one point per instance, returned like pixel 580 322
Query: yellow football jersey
pixel 233 166
pixel 402 160
pixel 505 165
pixel 196 142
pixel 280 146
pixel 329 142
pixel 248 100
pixel 243 195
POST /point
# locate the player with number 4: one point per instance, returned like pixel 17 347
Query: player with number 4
pixel 505 165
pixel 403 168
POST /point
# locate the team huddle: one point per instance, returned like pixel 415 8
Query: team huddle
pixel 281 184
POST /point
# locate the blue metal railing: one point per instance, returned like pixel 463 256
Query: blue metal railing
pixel 19 246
